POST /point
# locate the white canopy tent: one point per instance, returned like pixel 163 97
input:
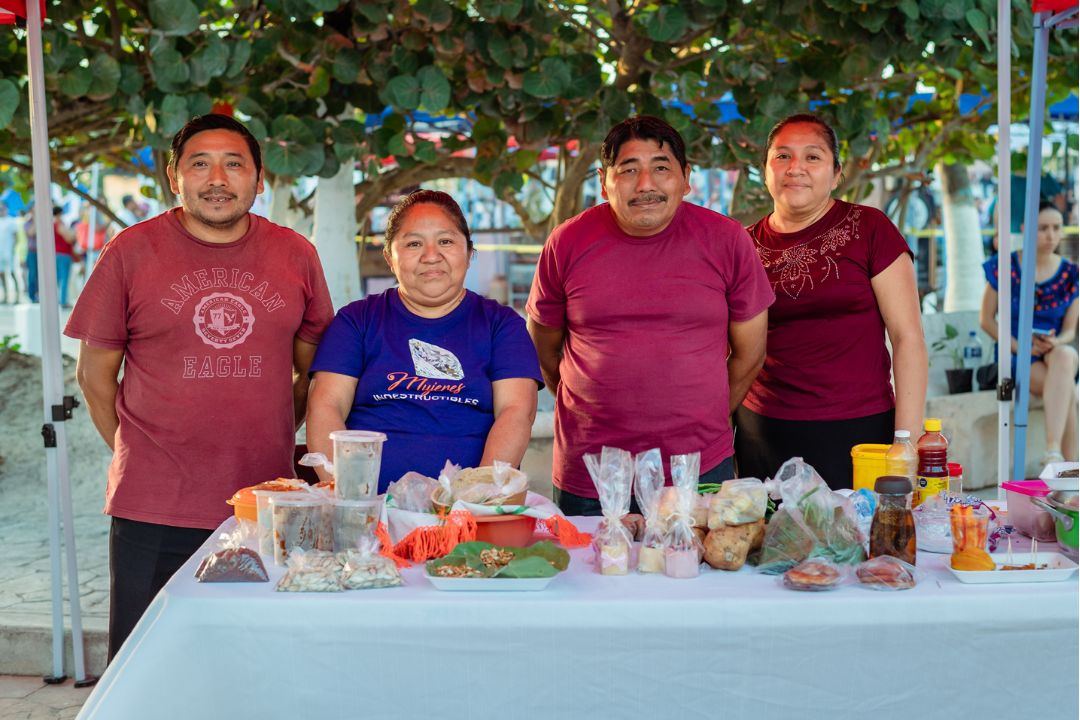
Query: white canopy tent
pixel 57 407
pixel 1049 14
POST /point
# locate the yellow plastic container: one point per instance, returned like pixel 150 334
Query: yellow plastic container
pixel 867 464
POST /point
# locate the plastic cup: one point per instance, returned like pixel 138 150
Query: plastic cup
pixel 352 520
pixel 357 458
pixel 969 529
pixel 265 518
pixel 298 522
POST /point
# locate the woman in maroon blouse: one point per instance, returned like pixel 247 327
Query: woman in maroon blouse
pixel 843 277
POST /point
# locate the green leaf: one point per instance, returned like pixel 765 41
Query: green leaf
pixel 293 159
pixel 9 101
pixel 426 152
pixel 550 81
pixel 199 104
pixel 174 114
pixel 527 567
pixel 131 80
pixel 169 70
pixel 434 89
pixel 293 129
pixel 346 66
pixel 397 145
pixel 323 5
pixel 209 63
pixel 498 48
pixel 403 92
pixel 106 77
pixel 667 23
pixel 76 82
pixel 435 12
pixel 980 24
pixel 331 166
pixel 909 8
pixel 238 58
pixel 319 84
pixel 257 128
pixel 174 17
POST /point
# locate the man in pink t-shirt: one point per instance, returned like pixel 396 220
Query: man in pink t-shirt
pixel 214 315
pixel 649 316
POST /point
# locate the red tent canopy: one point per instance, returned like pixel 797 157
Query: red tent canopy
pixel 10 10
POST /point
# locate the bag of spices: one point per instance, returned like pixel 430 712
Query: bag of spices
pixel 363 568
pixel 311 571
pixel 612 472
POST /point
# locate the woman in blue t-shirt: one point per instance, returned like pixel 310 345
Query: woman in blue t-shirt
pixel 444 373
pixel 1053 359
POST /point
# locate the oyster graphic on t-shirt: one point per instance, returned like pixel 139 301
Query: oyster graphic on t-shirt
pixel 433 361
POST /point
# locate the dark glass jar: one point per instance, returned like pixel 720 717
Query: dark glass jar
pixel 892 531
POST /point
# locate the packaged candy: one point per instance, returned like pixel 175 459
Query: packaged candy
pixel 682 549
pixel 612 472
pixel 648 484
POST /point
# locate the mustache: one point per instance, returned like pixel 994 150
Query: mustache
pixel 649 197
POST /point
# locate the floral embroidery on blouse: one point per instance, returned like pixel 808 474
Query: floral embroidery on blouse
pixel 798 267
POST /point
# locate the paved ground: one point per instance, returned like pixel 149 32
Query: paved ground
pixel 28 698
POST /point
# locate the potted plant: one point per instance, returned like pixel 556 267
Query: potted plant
pixel 957 376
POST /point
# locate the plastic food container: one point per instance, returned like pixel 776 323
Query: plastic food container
pixel 506 530
pixel 1026 516
pixel 867 464
pixel 243 500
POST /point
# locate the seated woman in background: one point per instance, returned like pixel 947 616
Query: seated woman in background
pixel 444 372
pixel 843 277
pixel 1053 360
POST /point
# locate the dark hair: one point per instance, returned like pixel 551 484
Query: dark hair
pixel 1045 205
pixel 827 134
pixel 213 121
pixel 642 127
pixel 426 197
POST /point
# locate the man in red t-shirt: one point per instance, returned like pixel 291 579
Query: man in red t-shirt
pixel 214 314
pixel 649 316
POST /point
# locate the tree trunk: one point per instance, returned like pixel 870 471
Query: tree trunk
pixel 280 195
pixel 334 235
pixel 963 240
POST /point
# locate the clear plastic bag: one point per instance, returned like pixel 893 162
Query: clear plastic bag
pixel 365 569
pixel 612 472
pixel 311 571
pixel 490 485
pixel 682 548
pixel 412 492
pixel 232 561
pixel 886 573
pixel 648 484
pixel 815 575
pixel 738 502
pixel 813 522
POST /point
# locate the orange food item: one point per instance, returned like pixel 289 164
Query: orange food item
pixel 972 559
pixel 243 501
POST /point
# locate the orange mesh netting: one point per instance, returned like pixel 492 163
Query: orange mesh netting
pixel 433 541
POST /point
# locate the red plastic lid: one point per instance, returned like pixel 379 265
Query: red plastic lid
pixel 1031 488
pixel 956 470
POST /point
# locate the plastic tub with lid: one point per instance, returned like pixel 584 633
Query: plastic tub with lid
pixel 1026 516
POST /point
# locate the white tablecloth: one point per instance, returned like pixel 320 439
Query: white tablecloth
pixel 725 645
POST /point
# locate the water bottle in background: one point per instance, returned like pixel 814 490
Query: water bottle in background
pixel 973 357
pixel 973 351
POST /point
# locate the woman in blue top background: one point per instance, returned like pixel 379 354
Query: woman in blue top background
pixel 1053 359
pixel 444 372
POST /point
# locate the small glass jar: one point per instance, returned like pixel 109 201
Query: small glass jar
pixel 892 531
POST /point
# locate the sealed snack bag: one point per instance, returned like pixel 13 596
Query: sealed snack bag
pixel 311 571
pixel 364 568
pixel 886 572
pixel 682 549
pixel 613 473
pixel 232 562
pixel 648 484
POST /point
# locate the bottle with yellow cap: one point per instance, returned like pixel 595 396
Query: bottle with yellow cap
pixel 933 473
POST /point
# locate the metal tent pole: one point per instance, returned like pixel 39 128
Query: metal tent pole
pixel 1031 214
pixel 1004 206
pixel 57 408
